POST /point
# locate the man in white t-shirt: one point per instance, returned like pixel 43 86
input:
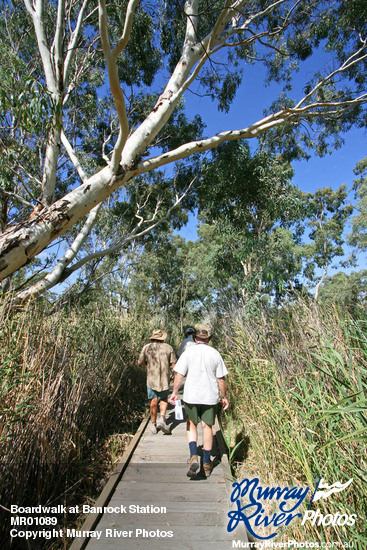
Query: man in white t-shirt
pixel 205 370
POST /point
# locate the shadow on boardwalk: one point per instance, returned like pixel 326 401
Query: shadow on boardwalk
pixel 155 505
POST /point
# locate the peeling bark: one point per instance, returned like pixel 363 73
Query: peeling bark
pixel 20 243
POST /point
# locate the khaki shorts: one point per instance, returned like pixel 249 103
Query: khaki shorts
pixel 205 412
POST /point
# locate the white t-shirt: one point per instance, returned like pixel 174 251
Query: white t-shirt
pixel 202 365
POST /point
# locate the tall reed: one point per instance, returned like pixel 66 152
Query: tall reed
pixel 67 383
pixel 298 384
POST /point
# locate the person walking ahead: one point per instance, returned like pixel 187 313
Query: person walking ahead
pixel 205 370
pixel 188 341
pixel 158 357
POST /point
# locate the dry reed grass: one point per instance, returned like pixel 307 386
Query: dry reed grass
pixel 68 384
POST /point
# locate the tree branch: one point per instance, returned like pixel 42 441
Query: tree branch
pixel 220 23
pixel 54 80
pixel 16 197
pixel 73 41
pixel 194 57
pixel 74 159
pixel 356 57
pixel 144 135
pixel 60 272
pixel 256 129
pixel 37 17
pixel 235 29
pixel 57 46
pixel 129 18
pixel 317 290
pixel 191 12
pixel 133 235
pixel 82 69
pixel 31 177
pixel 114 86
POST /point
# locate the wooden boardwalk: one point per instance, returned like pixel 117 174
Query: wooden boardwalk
pixel 155 505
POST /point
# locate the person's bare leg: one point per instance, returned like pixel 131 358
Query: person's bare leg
pixel 163 406
pixel 192 431
pixel 207 436
pixel 153 409
pixel 161 424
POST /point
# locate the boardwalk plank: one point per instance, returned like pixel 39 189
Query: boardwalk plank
pixel 169 492
pixel 171 476
pixel 204 519
pixel 178 506
pixel 193 510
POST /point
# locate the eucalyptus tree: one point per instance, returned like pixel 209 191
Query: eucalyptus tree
pixel 327 213
pixel 112 78
pixel 163 282
pixel 358 236
pixel 348 290
pixel 257 222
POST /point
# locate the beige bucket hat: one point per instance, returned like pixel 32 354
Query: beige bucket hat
pixel 203 334
pixel 158 334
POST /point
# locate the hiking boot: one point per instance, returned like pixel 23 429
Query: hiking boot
pixel 208 468
pixel 161 424
pixel 193 466
pixel 153 428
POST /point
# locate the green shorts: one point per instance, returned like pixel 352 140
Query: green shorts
pixel 205 412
